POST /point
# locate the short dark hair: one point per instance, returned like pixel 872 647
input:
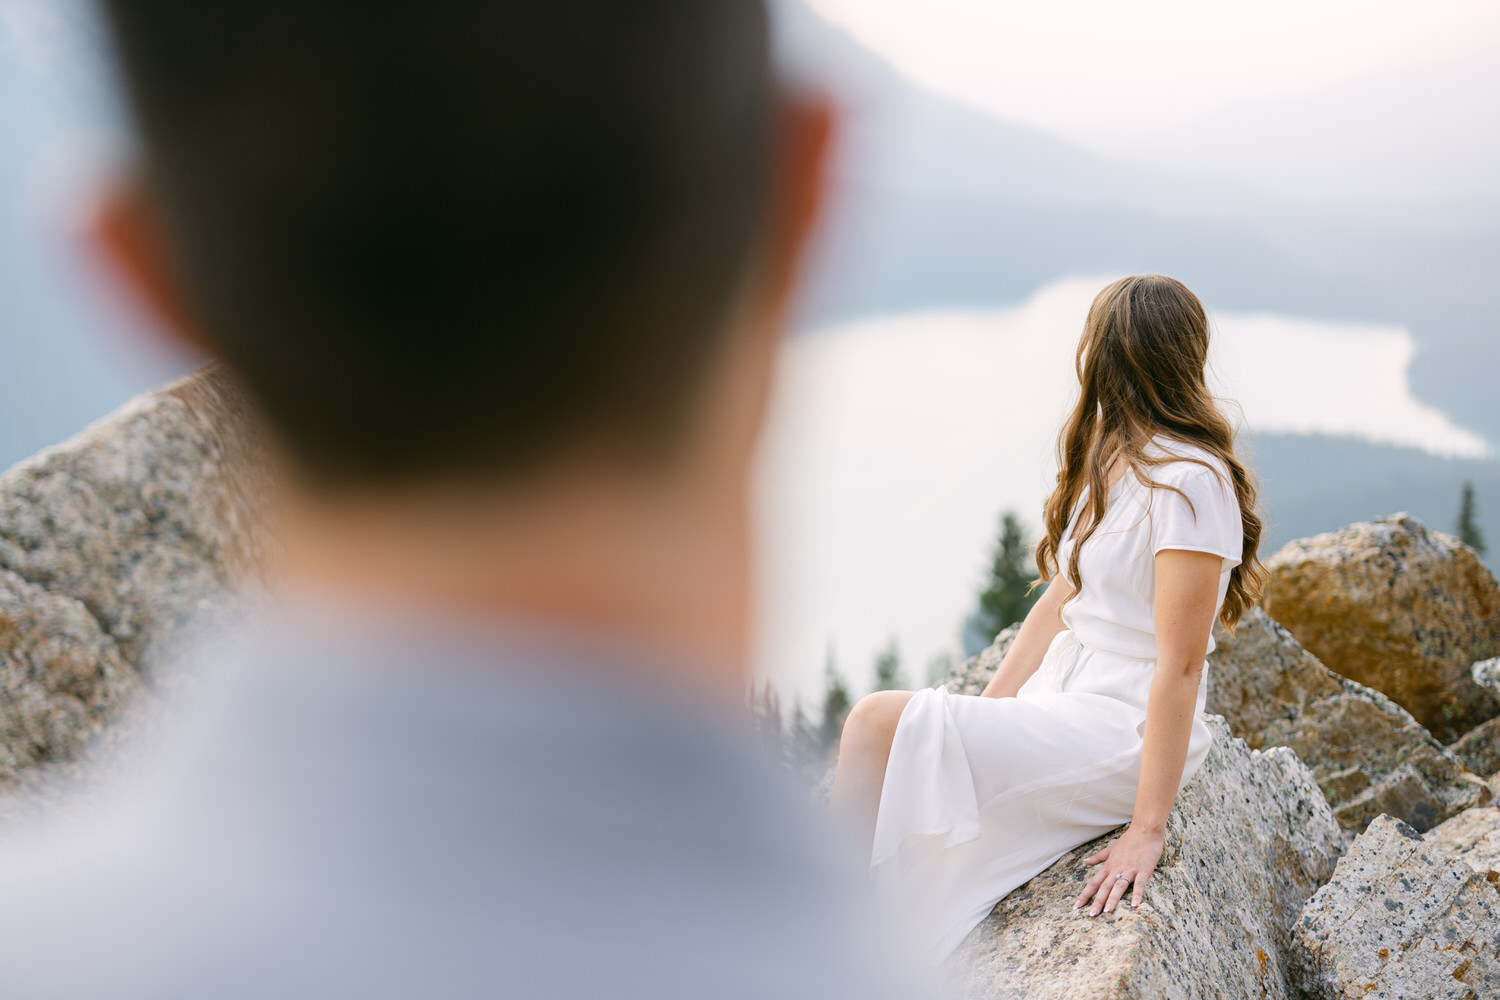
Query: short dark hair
pixel 449 237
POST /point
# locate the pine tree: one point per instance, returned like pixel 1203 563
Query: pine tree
pixel 804 741
pixel 836 702
pixel 1008 595
pixel 765 706
pixel 888 668
pixel 1468 530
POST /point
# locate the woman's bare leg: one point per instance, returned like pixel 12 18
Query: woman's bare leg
pixel 864 750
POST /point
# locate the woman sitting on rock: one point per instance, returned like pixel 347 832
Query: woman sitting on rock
pixel 1093 717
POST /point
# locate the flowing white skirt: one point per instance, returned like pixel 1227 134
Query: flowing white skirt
pixel 981 794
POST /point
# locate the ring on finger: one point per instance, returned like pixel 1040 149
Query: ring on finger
pixel 1122 875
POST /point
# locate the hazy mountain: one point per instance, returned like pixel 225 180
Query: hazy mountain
pixel 938 204
pixel 1315 483
pixel 1414 132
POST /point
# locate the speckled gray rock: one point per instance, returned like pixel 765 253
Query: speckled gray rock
pixel 110 544
pixel 1479 748
pixel 61 676
pixel 1399 608
pixel 1486 673
pixel 1249 840
pixel 1399 920
pixel 1370 756
pixel 1473 837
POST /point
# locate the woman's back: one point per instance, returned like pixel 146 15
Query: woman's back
pixel 1112 609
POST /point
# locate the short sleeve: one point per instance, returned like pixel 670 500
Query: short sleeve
pixel 1203 517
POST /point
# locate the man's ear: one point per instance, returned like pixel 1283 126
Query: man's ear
pixel 794 204
pixel 804 137
pixel 127 229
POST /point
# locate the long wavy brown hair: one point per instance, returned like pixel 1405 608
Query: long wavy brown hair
pixel 1141 365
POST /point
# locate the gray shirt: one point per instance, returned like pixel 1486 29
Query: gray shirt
pixel 381 812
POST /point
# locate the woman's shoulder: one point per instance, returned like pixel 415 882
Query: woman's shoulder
pixel 1198 508
pixel 1186 463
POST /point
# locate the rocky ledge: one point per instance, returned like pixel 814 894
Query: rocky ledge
pixel 1249 840
pixel 1307 762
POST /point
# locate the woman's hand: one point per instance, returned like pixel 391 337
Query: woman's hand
pixel 1133 854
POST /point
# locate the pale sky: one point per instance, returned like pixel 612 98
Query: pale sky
pixel 1115 75
pixel 1075 65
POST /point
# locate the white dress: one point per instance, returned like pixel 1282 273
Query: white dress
pixel 981 794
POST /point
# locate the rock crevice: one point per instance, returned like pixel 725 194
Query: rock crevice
pixel 1370 755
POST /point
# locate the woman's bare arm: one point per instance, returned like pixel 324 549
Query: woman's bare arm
pixel 1187 590
pixel 1041 625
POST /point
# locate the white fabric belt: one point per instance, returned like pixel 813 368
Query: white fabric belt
pixel 1067 649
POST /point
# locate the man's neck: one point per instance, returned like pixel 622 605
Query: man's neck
pixel 647 561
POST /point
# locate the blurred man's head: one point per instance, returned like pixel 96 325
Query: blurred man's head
pixel 440 237
pixel 471 242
